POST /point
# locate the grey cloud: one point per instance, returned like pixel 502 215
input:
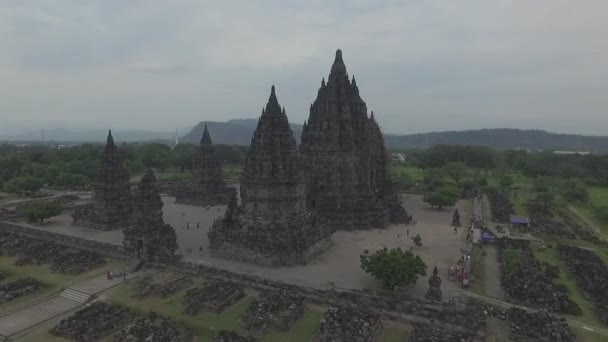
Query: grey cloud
pixel 421 65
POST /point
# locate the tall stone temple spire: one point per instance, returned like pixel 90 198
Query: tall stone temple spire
pixel 208 186
pixel 149 237
pixel 345 158
pixel 111 208
pixel 272 225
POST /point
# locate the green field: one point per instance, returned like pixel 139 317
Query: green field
pixel 205 325
pixel 53 282
pixel 232 170
pixel 550 256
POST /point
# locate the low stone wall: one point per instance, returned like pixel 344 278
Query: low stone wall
pixel 91 245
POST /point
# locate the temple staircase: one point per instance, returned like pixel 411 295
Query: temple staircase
pixel 75 295
pixel 134 265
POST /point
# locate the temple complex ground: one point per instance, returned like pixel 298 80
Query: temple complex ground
pixel 340 264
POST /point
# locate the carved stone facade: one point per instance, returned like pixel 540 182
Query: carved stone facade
pixel 149 237
pixel 345 159
pixel 111 208
pixel 272 225
pixel 207 186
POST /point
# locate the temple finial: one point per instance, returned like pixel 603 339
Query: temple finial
pixel 110 140
pixel 354 81
pixel 338 57
pixel 323 82
pixel 206 138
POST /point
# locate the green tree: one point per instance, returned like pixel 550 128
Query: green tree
pixel 445 196
pixel 506 181
pixel 455 170
pixel 545 183
pixel 393 267
pixel 40 211
pixel 574 190
pixel 21 184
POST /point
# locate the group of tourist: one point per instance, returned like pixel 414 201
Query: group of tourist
pixel 110 275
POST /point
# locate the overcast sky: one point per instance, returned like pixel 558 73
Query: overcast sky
pixel 421 65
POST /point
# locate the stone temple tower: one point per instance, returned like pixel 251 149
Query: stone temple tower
pixel 149 237
pixel 207 186
pixel 272 225
pixel 111 208
pixel 345 158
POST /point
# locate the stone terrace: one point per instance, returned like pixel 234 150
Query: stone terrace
pixel 340 264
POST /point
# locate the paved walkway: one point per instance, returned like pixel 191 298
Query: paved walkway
pixel 492 286
pixel 40 312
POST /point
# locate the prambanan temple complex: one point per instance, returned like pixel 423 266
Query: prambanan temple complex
pixel 345 159
pixel 207 186
pixel 111 208
pixel 272 224
pixel 148 236
pixel 291 201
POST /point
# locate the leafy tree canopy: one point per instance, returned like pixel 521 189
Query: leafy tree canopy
pixel 40 211
pixel 393 267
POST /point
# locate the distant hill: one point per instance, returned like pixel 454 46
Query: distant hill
pixel 502 138
pixel 232 132
pixel 239 131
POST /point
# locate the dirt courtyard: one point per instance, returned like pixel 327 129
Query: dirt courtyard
pixel 340 264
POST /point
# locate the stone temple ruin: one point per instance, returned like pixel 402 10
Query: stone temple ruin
pixel 207 186
pixel 111 208
pixel 345 159
pixel 272 225
pixel 149 237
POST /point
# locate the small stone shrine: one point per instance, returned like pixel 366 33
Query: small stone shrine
pixel 456 219
pixel 434 292
pixel 207 186
pixel 111 208
pixel 271 226
pixel 149 237
pixel 345 159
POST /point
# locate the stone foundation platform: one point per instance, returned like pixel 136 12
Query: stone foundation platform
pixel 240 252
pixel 86 217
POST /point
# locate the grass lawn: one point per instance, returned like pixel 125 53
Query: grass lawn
pixel 40 334
pixel 53 282
pixel 391 334
pixel 232 170
pixel 598 196
pixel 302 331
pixel 550 256
pixel 588 336
pixel 415 173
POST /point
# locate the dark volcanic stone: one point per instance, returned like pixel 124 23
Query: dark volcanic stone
pixel 18 288
pixel 154 328
pixel 207 186
pixel 111 208
pixel 93 322
pixel 344 324
pixel 345 158
pixel 271 226
pixel 149 237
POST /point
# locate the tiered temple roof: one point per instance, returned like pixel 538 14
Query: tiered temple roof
pixel 345 158
pixel 208 186
pixel 111 208
pixel 272 224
